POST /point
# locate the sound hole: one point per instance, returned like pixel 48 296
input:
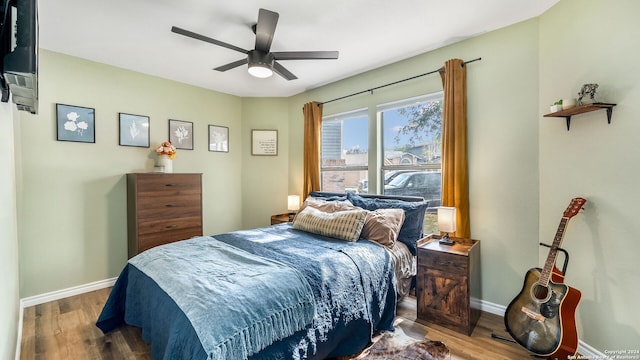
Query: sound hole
pixel 540 292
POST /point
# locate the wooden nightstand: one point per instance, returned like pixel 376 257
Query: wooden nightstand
pixel 448 283
pixel 281 218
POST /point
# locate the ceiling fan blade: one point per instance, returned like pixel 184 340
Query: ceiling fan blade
pixel 305 55
pixel 193 35
pixel 280 70
pixel 265 28
pixel 232 65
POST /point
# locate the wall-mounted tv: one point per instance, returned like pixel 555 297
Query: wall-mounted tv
pixel 19 53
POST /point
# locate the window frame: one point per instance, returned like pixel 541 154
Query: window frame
pixel 382 168
pixel 343 116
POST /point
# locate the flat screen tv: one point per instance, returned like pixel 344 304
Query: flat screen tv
pixel 19 53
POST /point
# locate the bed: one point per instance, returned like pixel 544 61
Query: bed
pixel 305 290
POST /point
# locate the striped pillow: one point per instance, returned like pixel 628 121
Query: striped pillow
pixel 345 225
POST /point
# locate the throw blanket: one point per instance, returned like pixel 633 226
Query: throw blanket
pixel 353 284
pixel 255 301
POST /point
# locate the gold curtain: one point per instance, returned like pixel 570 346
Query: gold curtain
pixel 312 135
pixel 455 180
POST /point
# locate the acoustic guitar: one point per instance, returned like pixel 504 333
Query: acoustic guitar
pixel 542 317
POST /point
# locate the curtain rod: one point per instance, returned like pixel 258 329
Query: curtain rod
pixel 393 83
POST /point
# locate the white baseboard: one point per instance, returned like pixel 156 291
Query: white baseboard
pixel 56 295
pixel 587 351
pixel 61 294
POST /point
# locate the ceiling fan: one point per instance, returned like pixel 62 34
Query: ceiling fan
pixel 262 62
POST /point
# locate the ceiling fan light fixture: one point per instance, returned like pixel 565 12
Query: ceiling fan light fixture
pixel 260 63
pixel 260 71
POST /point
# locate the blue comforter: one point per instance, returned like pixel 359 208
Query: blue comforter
pixel 352 284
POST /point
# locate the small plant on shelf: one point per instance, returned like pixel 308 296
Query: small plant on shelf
pixel 557 106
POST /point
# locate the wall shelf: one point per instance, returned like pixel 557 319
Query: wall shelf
pixel 568 113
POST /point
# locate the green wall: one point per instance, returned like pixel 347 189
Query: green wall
pixel 594 42
pixel 264 178
pixel 72 218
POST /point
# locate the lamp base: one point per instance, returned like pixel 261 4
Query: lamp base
pixel 446 240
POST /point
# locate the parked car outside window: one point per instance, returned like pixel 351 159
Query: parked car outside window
pixel 427 184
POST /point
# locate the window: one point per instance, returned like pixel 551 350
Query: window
pixel 345 146
pixel 411 163
pixel 410 146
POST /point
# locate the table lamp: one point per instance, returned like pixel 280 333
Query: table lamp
pixel 446 223
pixel 293 205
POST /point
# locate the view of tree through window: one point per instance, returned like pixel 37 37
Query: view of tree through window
pixel 411 143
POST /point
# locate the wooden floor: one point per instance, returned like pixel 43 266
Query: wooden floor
pixel 65 329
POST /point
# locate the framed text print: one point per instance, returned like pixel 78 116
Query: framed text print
pixel 264 142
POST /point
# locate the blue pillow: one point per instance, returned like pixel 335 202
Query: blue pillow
pixel 327 196
pixel 413 227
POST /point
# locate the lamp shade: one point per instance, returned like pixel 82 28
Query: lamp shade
pixel 293 202
pixel 446 219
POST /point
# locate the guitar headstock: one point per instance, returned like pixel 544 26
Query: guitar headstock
pixel 575 206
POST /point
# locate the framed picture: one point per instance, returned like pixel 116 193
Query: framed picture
pixel 264 142
pixel 134 130
pixel 75 123
pixel 218 138
pixel 181 134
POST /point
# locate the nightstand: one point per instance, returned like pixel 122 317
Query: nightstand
pixel 281 218
pixel 448 283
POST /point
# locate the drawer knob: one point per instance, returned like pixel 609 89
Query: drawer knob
pixel 171 184
pixel 170 205
pixel 171 226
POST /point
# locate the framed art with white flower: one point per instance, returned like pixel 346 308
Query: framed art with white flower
pixel 75 123
pixel 181 134
pixel 218 138
pixel 134 130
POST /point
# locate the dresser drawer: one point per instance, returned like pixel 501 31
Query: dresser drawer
pixel 149 207
pixel 151 185
pixel 455 264
pixel 160 238
pixel 159 225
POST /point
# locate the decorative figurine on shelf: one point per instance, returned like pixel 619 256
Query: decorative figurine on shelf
pixel 587 89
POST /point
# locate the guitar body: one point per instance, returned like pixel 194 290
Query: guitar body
pixel 542 320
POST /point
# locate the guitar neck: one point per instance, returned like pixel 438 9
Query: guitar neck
pixel 553 253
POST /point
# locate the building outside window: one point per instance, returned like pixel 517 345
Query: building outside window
pixel 410 162
pixel 345 146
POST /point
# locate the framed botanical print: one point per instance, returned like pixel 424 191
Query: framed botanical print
pixel 218 138
pixel 181 134
pixel 134 130
pixel 75 123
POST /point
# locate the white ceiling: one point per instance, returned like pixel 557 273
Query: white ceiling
pixel 136 35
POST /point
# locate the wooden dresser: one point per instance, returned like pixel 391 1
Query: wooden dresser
pixel 448 283
pixel 162 208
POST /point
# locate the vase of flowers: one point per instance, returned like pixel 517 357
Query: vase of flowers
pixel 166 152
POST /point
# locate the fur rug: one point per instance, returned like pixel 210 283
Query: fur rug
pixel 398 346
